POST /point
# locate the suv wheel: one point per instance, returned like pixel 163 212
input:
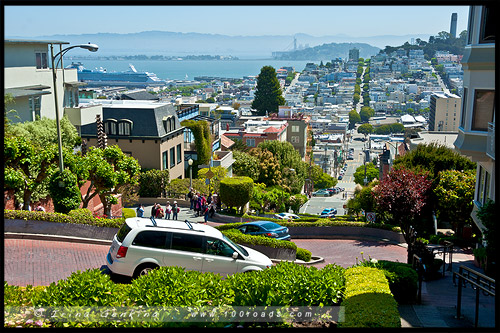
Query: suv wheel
pixel 144 269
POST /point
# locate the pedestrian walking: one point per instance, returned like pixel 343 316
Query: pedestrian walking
pixel 168 210
pixel 211 209
pixel 153 210
pixel 205 213
pixel 190 196
pixel 195 202
pixel 175 210
pixel 140 211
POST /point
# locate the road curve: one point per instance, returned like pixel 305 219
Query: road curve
pixel 41 262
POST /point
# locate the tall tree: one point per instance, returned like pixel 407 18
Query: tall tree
pixel 268 94
pixel 403 193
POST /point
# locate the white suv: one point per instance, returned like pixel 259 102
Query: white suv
pixel 144 244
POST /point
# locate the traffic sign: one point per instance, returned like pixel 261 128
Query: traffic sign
pixel 370 216
pixel 209 174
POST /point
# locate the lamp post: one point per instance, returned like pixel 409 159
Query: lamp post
pixel 91 48
pixel 190 162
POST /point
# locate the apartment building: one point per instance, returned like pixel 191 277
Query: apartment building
pixel 476 130
pixel 28 78
pixel 444 112
pixel 257 131
pixel 148 131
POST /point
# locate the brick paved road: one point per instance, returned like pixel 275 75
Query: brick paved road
pixel 40 262
pixel 343 252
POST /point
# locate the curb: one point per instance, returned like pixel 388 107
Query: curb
pixel 56 238
pixel 314 260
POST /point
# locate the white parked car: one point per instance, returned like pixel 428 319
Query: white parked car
pixel 286 216
pixel 143 244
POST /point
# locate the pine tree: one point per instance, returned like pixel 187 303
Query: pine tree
pixel 268 95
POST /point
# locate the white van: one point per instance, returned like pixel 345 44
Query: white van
pixel 144 244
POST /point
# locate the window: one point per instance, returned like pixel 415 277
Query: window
pixel 172 157
pixel 218 247
pixel 154 239
pixel 186 242
pixel 164 158
pixel 179 153
pixel 250 142
pixel 482 112
pixel 124 127
pixel 295 139
pixel 35 103
pixel 295 129
pixel 487 34
pixel 41 60
pixel 110 127
pixel 470 25
pixel 483 191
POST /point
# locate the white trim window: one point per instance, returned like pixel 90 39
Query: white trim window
pixel 41 60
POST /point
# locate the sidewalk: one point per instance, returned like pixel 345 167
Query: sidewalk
pixel 439 300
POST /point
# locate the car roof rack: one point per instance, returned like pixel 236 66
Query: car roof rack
pixel 190 226
pixel 152 218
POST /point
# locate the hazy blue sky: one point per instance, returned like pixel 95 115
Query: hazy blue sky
pixel 356 21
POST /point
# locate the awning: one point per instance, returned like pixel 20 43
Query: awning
pixel 27 91
pixel 75 84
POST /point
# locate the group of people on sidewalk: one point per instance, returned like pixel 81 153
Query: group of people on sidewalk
pixel 203 205
pixel 158 212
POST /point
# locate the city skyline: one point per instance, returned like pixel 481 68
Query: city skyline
pixel 35 21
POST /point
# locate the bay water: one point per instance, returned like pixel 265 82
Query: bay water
pixel 179 69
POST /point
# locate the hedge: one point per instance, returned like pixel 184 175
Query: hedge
pixel 238 237
pixel 403 280
pixel 368 300
pixel 76 216
pixel 174 286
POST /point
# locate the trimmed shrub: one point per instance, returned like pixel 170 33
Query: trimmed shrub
pixel 303 254
pixel 288 284
pixel 368 300
pixel 174 286
pixel 153 183
pixel 403 280
pixel 236 191
pixel 64 190
pixel 76 216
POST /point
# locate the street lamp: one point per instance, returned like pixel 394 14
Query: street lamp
pixel 190 162
pixel 91 48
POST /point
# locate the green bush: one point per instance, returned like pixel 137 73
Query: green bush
pixel 288 284
pixel 236 191
pixel 368 300
pixel 403 280
pixel 303 254
pixel 76 216
pixel 238 237
pixel 153 183
pixel 128 212
pixel 174 286
pixel 64 190
pixel 87 288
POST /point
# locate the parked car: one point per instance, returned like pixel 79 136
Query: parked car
pixel 340 177
pixel 265 228
pixel 319 193
pixel 332 190
pixel 328 216
pixel 143 244
pixel 286 216
pixel 329 211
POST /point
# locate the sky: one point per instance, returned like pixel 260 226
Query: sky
pixel 355 21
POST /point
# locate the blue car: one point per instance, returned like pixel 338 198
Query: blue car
pixel 328 213
pixel 265 228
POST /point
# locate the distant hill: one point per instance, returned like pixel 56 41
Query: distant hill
pixel 330 51
pixel 180 44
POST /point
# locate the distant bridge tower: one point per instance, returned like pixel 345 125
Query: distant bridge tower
pixel 295 43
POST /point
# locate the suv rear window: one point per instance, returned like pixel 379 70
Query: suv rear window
pixel 123 232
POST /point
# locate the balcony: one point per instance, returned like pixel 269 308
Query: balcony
pixel 224 159
pixel 490 142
